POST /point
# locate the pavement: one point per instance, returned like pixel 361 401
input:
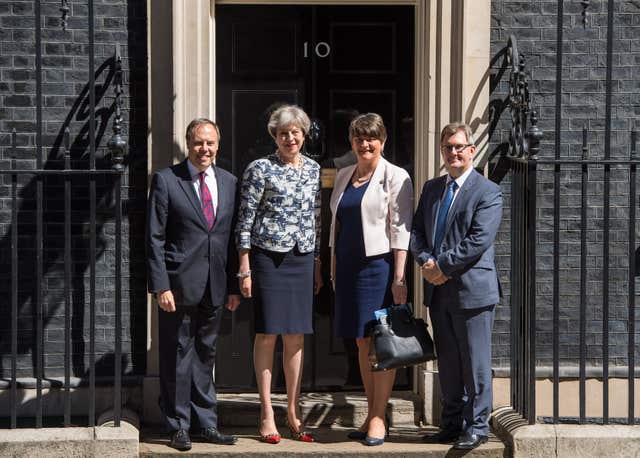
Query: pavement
pixel 331 441
pixel 564 440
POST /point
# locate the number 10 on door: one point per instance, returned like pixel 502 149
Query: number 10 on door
pixel 322 49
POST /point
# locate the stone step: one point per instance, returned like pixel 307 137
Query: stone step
pixel 319 409
pixel 330 442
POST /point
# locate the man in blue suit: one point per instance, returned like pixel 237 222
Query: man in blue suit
pixel 191 212
pixel 454 227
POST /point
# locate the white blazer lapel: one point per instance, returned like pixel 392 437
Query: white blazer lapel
pixel 372 195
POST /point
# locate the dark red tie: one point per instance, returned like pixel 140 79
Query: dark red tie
pixel 207 202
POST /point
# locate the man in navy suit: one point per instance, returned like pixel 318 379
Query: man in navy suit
pixel 191 212
pixel 454 227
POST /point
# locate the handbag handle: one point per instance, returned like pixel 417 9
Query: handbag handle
pixel 408 308
pixel 378 332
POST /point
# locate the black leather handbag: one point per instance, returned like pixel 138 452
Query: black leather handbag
pixel 399 340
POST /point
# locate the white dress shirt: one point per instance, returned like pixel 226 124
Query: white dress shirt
pixel 209 180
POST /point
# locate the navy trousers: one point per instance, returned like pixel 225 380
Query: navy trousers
pixel 463 343
pixel 187 344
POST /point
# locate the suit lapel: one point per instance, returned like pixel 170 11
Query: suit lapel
pixel 186 183
pixel 436 195
pixel 224 195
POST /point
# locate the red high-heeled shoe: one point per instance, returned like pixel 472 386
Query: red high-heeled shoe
pixel 271 438
pixel 301 436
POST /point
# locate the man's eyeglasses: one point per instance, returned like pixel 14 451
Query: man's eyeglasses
pixel 456 148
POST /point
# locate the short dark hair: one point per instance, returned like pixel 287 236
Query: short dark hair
pixel 368 125
pixel 193 125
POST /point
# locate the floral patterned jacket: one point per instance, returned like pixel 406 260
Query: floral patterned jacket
pixel 280 206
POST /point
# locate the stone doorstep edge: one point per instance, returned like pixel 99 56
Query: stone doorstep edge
pixel 524 440
pixel 98 441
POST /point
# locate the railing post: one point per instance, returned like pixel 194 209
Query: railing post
pixel 556 214
pixel 67 280
pixel 14 283
pixel 532 148
pixel 39 277
pixel 524 148
pixel 118 147
pixel 583 278
pixel 92 218
pixel 631 358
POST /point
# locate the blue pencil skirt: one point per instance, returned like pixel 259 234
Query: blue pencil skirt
pixel 282 291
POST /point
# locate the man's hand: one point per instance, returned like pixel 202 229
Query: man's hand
pixel 432 273
pixel 166 301
pixel 233 301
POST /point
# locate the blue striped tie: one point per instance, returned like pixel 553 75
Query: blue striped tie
pixel 441 223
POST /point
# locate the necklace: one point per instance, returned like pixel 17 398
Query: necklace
pixel 292 162
pixel 363 178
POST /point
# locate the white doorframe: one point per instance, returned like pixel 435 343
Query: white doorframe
pixel 452 54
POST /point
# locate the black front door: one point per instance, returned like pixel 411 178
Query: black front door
pixel 335 62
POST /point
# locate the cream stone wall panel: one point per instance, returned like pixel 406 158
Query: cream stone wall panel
pixel 446 33
pixel 569 402
pixel 597 440
pixel 476 58
pixel 533 441
pixel 192 66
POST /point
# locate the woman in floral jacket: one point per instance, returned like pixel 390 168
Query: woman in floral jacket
pixel 279 242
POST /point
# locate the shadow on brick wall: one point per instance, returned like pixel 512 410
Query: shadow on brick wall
pixel 53 284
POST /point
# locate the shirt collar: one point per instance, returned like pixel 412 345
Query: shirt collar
pixel 462 178
pixel 194 172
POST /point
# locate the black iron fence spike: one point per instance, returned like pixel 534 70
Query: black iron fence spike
pixel 117 145
pixel 534 135
pixel 65 9
pixel 67 147
pixel 14 143
pixel 585 7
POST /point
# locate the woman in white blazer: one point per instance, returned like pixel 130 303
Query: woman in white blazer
pixel 372 207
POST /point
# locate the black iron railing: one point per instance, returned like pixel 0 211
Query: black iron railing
pixel 46 178
pixel 529 172
pixel 524 147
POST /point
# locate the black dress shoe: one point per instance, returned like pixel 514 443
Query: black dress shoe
pixel 444 436
pixel 469 441
pixel 214 436
pixel 180 440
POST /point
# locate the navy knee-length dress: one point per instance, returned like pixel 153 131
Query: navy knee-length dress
pixel 363 284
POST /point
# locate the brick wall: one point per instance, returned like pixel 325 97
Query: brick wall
pixel 534 24
pixel 65 103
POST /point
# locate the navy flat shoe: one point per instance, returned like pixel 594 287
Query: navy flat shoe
pixel 372 441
